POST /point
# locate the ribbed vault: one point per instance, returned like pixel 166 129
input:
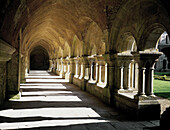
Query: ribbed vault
pixel 57 22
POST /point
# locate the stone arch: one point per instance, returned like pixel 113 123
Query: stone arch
pixel 126 43
pixel 150 38
pixel 136 16
pixel 39 59
pixel 96 39
pixel 43 44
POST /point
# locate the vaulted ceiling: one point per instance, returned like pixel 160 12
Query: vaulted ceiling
pixel 54 24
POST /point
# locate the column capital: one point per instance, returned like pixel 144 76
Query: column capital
pixel 143 57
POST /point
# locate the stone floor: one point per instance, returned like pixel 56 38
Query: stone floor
pixel 49 102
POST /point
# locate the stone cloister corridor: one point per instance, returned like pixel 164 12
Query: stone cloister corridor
pixel 49 102
pixel 101 48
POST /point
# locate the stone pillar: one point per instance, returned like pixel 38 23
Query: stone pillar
pixel 62 73
pixel 54 66
pixel 119 75
pixel 141 81
pixel 23 70
pixel 127 75
pixel 67 75
pixel 72 69
pixel 26 66
pixel 6 52
pixel 51 65
pixel 81 71
pixel 147 105
pixel 92 61
pixel 85 72
pixel 136 75
pixel 2 82
pixel 76 61
pixel 150 90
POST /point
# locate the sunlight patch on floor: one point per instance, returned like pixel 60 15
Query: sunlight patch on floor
pixel 42 87
pixel 65 112
pixel 49 123
pixel 47 80
pixel 50 98
pixel 45 92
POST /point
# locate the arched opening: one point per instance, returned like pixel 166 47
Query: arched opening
pixel 39 59
pixel 156 42
pixel 163 45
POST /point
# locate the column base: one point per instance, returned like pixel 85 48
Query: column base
pixel 148 107
pixel 71 75
pixel 83 84
pixel 140 107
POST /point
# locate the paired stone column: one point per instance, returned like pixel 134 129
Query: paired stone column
pixel 102 72
pixel 146 61
pixel 123 72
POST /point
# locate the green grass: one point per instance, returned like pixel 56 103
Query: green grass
pixel 162 88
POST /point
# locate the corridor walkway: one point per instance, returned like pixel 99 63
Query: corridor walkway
pixel 49 102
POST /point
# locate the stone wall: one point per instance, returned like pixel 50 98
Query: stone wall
pixel 13 77
pixel 2 82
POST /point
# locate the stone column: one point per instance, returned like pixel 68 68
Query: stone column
pixel 142 58
pixel 119 75
pixel 62 73
pixel 72 69
pixel 54 65
pixel 91 60
pixel 67 75
pixel 127 75
pixel 141 80
pixel 123 71
pixel 81 71
pixel 23 67
pixel 84 72
pixel 150 92
pixel 50 65
pixel 76 60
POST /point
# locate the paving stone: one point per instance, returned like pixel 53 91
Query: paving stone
pixel 63 111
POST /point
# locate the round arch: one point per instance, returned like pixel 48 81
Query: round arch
pixel 39 59
pixel 150 37
pixel 126 43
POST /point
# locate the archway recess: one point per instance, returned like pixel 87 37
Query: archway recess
pixel 39 59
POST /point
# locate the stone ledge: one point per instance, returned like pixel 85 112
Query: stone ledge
pixel 139 109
